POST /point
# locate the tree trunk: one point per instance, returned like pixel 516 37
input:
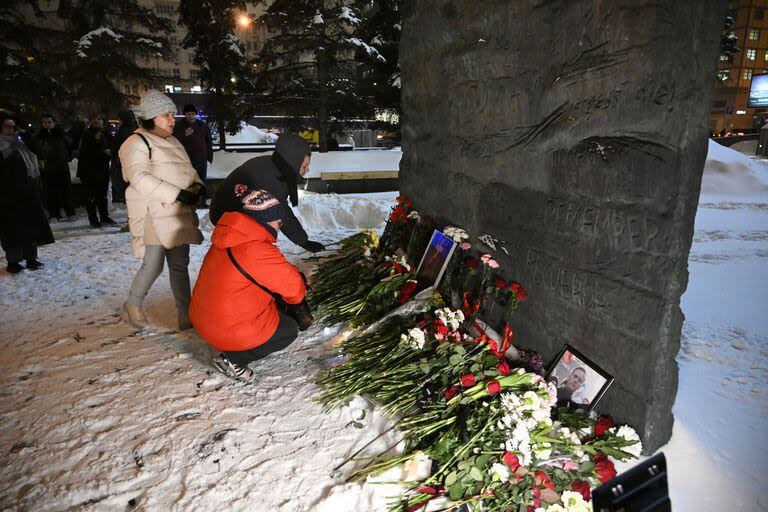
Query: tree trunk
pixel 322 111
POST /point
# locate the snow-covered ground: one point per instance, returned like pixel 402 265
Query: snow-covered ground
pixel 96 416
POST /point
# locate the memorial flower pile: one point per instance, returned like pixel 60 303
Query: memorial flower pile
pixel 488 423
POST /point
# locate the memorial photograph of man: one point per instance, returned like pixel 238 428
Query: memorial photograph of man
pixel 579 382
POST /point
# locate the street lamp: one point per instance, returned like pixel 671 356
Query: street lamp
pixel 244 20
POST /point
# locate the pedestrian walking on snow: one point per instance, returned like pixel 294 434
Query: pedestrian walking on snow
pixel 163 191
pixel 23 222
pixel 279 175
pixel 195 136
pixel 54 151
pixel 94 154
pixel 248 301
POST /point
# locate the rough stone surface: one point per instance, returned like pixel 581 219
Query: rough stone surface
pixel 576 130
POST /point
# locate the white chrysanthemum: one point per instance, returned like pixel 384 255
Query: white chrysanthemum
pixel 415 338
pixel 458 235
pixel 628 433
pixel 414 215
pixel 556 508
pixel 574 502
pixel 501 471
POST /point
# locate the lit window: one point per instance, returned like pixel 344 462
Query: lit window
pixel 724 57
pixel 754 34
pixel 724 74
pixel 747 75
pixel 751 54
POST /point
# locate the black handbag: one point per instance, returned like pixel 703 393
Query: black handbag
pixel 299 312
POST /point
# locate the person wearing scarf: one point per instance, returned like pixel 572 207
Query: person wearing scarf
pixel 23 222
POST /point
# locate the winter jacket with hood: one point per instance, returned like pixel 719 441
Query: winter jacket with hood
pixel 154 185
pixel 278 174
pixel 54 151
pixel 229 311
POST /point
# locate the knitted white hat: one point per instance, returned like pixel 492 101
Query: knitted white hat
pixel 154 103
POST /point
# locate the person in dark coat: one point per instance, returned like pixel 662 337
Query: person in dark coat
pixel 54 151
pixel 23 222
pixel 93 170
pixel 195 136
pixel 278 174
pixel 126 128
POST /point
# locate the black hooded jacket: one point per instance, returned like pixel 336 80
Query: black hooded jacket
pixel 54 151
pixel 278 174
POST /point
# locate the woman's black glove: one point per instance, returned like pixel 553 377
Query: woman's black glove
pixel 312 246
pixel 193 195
pixel 301 313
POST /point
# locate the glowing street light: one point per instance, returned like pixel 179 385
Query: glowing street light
pixel 244 20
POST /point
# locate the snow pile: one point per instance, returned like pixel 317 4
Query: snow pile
pixel 728 172
pixel 250 134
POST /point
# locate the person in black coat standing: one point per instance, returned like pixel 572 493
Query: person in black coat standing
pixel 278 174
pixel 23 223
pixel 54 151
pixel 93 170
pixel 125 130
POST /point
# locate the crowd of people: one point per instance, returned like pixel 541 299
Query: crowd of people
pixel 249 301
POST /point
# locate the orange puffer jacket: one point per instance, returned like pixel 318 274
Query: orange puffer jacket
pixel 229 311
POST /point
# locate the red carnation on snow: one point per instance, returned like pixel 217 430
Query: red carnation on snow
pixel 493 387
pixel 602 425
pixel 468 380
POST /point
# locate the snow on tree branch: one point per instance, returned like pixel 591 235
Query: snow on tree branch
pixel 86 41
pixel 370 50
pixel 349 15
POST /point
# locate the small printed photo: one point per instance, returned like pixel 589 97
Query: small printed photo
pixel 580 382
pixel 435 260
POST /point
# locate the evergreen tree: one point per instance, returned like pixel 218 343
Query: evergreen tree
pixel 381 78
pixel 309 60
pixel 728 40
pixel 77 55
pixel 221 57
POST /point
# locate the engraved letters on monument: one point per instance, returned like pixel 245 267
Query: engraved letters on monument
pixel 577 131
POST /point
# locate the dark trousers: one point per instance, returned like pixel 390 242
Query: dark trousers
pixel 118 184
pixel 201 166
pixel 58 196
pixel 16 254
pixel 96 199
pixel 286 333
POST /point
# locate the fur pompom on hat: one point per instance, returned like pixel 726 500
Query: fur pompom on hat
pixel 154 103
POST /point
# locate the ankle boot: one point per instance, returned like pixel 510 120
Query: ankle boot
pixel 135 316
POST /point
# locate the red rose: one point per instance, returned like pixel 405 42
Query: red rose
pixel 468 380
pixel 451 392
pixel 499 283
pixel 493 387
pixel 503 368
pixel 511 460
pixel 515 286
pixel 604 468
pixel 542 479
pixel 582 487
pixel 406 292
pixel 602 425
pixel 521 295
pixel 536 497
pixel 471 262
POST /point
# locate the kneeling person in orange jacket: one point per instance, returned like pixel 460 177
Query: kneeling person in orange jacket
pixel 248 298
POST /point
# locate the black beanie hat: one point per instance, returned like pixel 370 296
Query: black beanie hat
pixel 189 108
pixel 259 204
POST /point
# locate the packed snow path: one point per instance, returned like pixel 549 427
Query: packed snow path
pixel 97 416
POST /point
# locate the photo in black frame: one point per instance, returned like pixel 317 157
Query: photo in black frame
pixel 580 382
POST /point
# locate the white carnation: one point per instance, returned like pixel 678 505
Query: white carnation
pixel 574 502
pixel 415 338
pixel 414 215
pixel 458 235
pixel 628 433
pixel 501 471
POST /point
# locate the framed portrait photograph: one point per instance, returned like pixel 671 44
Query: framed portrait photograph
pixel 435 260
pixel 579 381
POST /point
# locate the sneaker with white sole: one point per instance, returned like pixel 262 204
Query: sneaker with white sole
pixel 233 370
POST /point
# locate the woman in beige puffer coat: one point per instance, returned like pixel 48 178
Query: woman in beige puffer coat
pixel 161 196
